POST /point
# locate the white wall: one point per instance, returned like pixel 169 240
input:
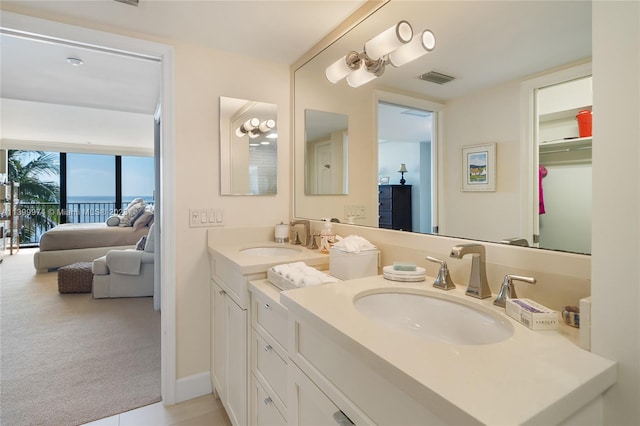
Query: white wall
pixel 202 76
pixel 615 285
pixel 491 116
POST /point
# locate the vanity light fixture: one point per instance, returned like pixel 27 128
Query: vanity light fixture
pixel 396 46
pixel 253 127
pixel 402 171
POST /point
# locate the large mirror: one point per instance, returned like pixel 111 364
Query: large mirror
pixel 490 49
pixel 248 147
pixel 326 152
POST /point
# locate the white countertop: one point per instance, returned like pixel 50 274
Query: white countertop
pixel 534 377
pixel 250 264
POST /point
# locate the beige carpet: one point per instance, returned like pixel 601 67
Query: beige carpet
pixel 67 359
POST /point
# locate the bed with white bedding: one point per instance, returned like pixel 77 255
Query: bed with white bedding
pixel 83 242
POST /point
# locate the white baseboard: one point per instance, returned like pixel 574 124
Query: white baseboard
pixel 193 386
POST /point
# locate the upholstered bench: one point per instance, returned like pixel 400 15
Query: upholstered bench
pixel 75 278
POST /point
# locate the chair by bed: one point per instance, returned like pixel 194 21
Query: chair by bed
pixel 125 273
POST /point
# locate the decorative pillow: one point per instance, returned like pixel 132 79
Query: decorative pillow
pixel 150 246
pixel 113 220
pixel 140 245
pixel 133 210
pixel 143 219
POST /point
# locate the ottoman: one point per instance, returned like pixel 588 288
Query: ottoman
pixel 75 278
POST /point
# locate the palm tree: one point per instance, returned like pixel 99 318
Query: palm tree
pixel 30 169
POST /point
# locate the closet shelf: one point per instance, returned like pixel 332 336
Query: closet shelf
pixel 565 144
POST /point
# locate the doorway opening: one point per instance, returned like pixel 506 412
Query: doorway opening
pixel 406 167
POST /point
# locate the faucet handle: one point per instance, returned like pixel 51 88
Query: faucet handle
pixel 443 280
pixel 508 290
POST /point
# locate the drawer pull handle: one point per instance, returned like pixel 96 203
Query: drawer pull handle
pixel 222 292
pixel 267 348
pixel 267 306
pixel 268 400
pixel 341 418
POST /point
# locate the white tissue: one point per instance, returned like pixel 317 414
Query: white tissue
pixel 354 244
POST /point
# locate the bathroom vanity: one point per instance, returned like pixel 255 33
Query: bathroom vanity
pixel 319 355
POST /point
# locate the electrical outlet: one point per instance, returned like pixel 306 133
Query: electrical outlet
pixel 354 211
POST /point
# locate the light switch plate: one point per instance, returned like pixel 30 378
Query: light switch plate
pixel 203 218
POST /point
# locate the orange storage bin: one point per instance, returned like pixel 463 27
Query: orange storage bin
pixel 584 118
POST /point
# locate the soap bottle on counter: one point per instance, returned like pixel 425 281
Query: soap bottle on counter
pixel 327 237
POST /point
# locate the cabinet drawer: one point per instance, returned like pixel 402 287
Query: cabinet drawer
pixel 271 316
pixel 266 412
pixel 384 192
pixel 270 366
pixel 310 406
pixel 385 218
pixel 385 205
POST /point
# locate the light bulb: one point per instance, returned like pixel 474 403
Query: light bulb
pixel 389 40
pixel 343 67
pixel 420 45
pixel 360 77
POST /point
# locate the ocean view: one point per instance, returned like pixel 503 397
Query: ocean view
pixel 107 199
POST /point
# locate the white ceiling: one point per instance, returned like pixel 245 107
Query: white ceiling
pixel 481 43
pixel 35 74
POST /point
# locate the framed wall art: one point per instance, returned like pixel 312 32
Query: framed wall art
pixel 479 167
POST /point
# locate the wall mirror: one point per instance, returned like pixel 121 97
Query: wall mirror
pixel 472 82
pixel 326 152
pixel 248 147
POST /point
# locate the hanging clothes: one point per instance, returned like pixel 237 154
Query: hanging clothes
pixel 542 172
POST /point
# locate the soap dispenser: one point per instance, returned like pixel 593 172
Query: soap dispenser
pixel 327 237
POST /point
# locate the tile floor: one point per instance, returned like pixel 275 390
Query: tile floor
pixel 202 411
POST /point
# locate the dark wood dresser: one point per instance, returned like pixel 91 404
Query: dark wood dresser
pixel 394 207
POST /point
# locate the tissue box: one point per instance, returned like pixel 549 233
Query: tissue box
pixel 348 266
pixel 532 314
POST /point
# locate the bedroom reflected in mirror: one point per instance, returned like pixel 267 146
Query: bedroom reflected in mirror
pixel 248 147
pixel 326 148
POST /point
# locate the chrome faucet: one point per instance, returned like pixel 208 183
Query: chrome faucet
pixel 508 290
pixel 443 280
pixel 478 286
pixel 306 240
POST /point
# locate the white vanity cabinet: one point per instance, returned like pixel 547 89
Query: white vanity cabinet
pixel 229 361
pixel 268 356
pixel 229 344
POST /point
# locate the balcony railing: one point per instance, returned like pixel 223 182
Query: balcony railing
pixel 37 218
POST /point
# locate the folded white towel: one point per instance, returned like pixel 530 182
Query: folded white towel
pixel 302 275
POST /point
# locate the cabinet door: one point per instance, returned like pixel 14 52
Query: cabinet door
pixel 237 364
pixel 219 341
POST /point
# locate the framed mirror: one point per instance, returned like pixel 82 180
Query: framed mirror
pixel 326 152
pixel 248 147
pixel 484 53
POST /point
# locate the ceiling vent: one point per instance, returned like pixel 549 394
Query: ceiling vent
pixel 436 77
pixel 130 2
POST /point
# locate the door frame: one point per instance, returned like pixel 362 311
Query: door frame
pixel 529 209
pixel 36 27
pixel 437 152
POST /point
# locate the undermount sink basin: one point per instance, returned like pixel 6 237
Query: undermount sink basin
pixel 434 318
pixel 270 251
